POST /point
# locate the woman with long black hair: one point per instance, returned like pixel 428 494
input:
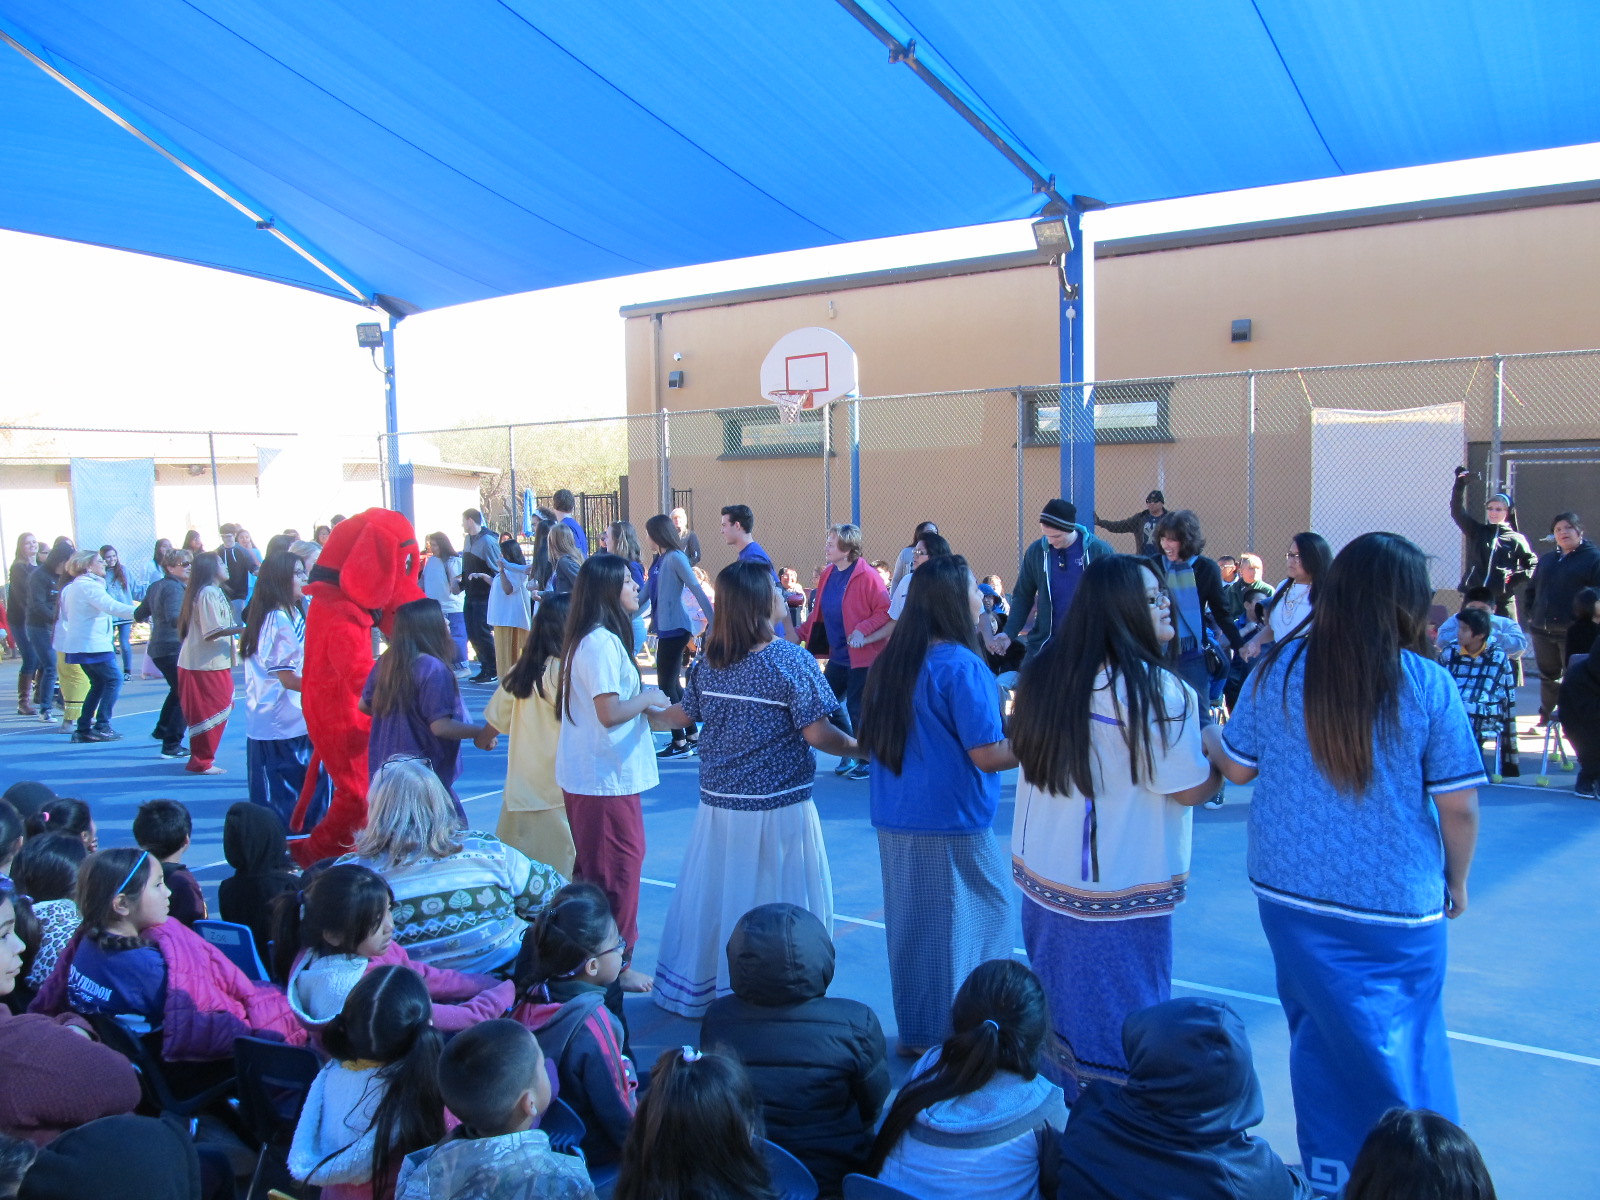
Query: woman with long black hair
pixel 1287 612
pixel 273 646
pixel 22 568
pixel 932 725
pixel 1108 736
pixel 1361 835
pixel 205 662
pixel 414 700
pixel 44 596
pixel 757 838
pixel 604 758
pixel 905 561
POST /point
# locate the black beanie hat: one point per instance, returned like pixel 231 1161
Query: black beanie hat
pixel 1063 514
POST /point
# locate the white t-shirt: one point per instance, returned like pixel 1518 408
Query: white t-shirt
pixel 592 760
pixel 1141 838
pixel 1293 607
pixel 271 711
pixel 897 602
pixel 511 611
pixel 436 583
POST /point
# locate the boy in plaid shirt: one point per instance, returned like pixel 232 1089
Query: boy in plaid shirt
pixel 1487 680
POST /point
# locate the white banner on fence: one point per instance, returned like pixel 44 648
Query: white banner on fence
pixel 113 504
pixel 1389 471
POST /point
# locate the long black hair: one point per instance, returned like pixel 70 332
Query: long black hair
pixel 118 572
pixel 103 877
pixel 544 643
pixel 46 867
pixel 923 528
pixel 596 604
pixel 388 1018
pixel 419 629
pixel 61 814
pixel 696 1135
pixel 1415 1154
pixel 1374 604
pixel 1000 1020
pixel 1107 628
pixel 660 530
pixel 938 609
pixel 569 932
pixel 339 909
pixel 1316 556
pixel 274 593
pixel 204 572
pixel 743 616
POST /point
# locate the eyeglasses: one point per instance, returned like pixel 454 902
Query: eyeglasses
pixel 1292 555
pixel 1161 599
pixel 617 949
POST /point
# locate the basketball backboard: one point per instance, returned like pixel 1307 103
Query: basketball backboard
pixel 813 360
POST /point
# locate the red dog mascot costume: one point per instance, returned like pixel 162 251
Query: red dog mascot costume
pixel 370 567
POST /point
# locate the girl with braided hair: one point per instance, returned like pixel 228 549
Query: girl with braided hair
pixel 571 958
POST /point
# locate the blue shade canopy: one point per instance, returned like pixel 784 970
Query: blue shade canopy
pixel 444 152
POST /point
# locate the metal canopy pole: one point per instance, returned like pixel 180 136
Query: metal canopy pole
pixel 1492 475
pixel 1250 469
pixel 400 498
pixel 1077 404
pixel 216 489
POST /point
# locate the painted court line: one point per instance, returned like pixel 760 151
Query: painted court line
pixel 1562 1055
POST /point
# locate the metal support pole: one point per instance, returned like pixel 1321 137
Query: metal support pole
pixel 666 463
pixel 827 465
pixel 216 487
pixel 1492 475
pixel 1077 405
pixel 1250 467
pixel 511 459
pixel 1022 436
pixel 855 461
pixel 399 485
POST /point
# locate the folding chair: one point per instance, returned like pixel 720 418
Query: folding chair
pixel 865 1187
pixel 789 1175
pixel 238 943
pixel 158 1096
pixel 1490 726
pixel 1552 737
pixel 273 1081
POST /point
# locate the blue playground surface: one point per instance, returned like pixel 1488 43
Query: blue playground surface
pixel 1521 999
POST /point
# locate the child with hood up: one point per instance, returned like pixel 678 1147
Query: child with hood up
pixel 254 843
pixel 818 1063
pixel 1180 1126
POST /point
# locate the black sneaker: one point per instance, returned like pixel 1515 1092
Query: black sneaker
pixel 480 678
pixel 673 750
pixel 174 752
pixel 108 734
pixel 861 770
pixel 846 765
pixel 1585 788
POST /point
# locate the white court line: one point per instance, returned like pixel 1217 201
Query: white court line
pixel 1563 1055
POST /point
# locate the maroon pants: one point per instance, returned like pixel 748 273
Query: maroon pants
pixel 608 835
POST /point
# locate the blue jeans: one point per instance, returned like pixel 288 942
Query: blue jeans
pixel 42 638
pixel 124 647
pixel 458 634
pixel 30 659
pixel 105 685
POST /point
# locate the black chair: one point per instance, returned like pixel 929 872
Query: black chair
pixel 564 1128
pixel 158 1096
pixel 238 943
pixel 865 1187
pixel 273 1081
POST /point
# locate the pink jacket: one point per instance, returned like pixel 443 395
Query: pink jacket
pixel 459 1000
pixel 209 1000
pixel 866 608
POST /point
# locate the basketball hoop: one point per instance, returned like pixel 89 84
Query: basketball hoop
pixel 790 403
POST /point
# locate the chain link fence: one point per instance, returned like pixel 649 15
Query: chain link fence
pixel 1258 456
pixel 126 488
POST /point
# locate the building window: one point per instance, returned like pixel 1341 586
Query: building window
pixel 758 433
pixel 1123 412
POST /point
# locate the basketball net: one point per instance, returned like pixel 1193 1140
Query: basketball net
pixel 790 403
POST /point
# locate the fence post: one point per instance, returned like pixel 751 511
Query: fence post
pixel 827 465
pixel 216 487
pixel 1492 475
pixel 1022 429
pixel 855 461
pixel 665 447
pixel 511 458
pixel 1250 465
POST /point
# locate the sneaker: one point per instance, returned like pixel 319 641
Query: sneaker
pixel 1510 770
pixel 91 736
pixel 1215 801
pixel 846 765
pixel 127 677
pixel 481 678
pixel 673 750
pixel 174 752
pixel 107 734
pixel 46 715
pixel 860 771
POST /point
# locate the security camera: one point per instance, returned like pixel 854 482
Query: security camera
pixel 677 357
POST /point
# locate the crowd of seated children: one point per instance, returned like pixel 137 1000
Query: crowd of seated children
pixel 256 847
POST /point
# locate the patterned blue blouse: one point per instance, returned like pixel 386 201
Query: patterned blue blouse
pixel 752 756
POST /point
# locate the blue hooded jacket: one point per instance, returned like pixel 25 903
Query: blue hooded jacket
pixel 1179 1127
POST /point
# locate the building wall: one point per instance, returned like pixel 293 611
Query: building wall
pixel 1510 282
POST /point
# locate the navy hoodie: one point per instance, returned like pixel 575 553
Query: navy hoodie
pixel 1179 1127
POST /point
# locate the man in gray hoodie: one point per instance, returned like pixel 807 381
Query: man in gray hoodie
pixel 1051 569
